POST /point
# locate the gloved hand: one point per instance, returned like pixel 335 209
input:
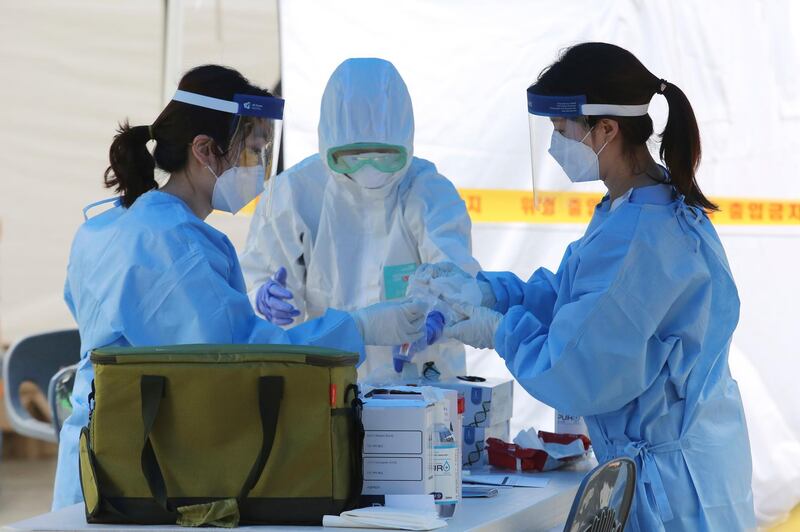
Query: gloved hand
pixel 391 322
pixel 434 325
pixel 271 300
pixel 477 329
pixel 448 269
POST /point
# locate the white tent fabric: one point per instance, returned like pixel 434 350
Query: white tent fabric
pixel 71 72
pixel 467 64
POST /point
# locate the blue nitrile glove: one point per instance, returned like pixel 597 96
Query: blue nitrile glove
pixel 271 300
pixel 434 325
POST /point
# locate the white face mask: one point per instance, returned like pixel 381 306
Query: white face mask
pixel 236 187
pixel 578 160
pixel 369 177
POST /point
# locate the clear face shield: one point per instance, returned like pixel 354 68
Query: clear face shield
pixel 253 150
pixel 561 148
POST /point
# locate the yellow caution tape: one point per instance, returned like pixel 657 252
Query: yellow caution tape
pixel 510 206
pixel 505 206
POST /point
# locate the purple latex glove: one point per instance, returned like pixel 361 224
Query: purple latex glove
pixel 271 300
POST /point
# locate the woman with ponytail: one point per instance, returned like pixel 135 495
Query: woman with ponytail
pixel 150 271
pixel 633 330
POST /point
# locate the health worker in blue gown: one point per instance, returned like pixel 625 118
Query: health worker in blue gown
pixel 632 331
pixel 150 271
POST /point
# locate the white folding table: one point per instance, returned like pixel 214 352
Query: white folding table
pixel 513 509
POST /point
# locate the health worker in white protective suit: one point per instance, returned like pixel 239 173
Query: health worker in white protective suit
pixel 349 225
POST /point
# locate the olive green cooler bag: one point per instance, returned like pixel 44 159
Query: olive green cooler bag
pixel 220 435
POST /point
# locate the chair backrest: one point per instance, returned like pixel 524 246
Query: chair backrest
pixel 604 498
pixel 36 358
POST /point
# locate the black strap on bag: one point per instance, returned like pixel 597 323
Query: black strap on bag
pixel 152 390
pixel 270 393
pixel 356 460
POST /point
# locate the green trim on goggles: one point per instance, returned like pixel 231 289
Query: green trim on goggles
pixel 347 159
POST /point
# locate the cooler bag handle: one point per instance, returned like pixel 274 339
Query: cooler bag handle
pixel 270 392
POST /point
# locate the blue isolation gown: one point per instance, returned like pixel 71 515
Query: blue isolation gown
pixel 155 274
pixel 632 332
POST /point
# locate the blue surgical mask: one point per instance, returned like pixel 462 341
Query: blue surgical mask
pixel 578 160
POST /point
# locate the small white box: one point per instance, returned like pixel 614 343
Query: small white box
pixel 453 419
pixel 487 401
pixel 397 452
pixel 473 451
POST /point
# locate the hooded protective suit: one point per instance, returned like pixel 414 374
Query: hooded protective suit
pixel 346 246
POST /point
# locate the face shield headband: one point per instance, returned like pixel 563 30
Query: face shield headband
pixel 556 125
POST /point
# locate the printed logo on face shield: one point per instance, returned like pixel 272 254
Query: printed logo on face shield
pixel 253 106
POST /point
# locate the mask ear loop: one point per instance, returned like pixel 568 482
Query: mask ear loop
pixel 212 171
pixel 189 176
pixel 602 148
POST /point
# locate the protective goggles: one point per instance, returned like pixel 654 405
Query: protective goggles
pixel 352 157
pixel 556 123
pixel 256 129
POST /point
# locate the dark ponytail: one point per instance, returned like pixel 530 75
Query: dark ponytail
pixel 680 146
pixel 132 167
pixel 132 170
pixel 608 74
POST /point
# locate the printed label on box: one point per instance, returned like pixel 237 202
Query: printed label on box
pixel 392 442
pixel 392 468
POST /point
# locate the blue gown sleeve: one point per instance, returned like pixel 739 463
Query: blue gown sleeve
pixel 197 301
pixel 599 351
pixel 69 300
pixel 537 295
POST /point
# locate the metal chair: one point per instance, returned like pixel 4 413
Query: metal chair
pixel 58 395
pixel 604 498
pixel 37 359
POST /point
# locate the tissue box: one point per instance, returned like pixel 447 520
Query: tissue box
pixel 488 402
pixel 473 450
pixel 397 451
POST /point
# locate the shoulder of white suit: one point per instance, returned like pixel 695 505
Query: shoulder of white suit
pixel 424 179
pixel 309 176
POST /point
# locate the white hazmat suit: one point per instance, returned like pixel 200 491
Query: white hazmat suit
pixel 346 246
